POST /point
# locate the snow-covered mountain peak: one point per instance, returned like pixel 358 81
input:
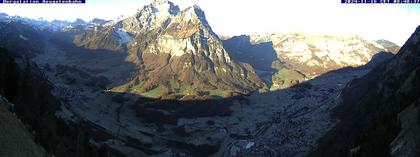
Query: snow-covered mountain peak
pixel 98 22
pixel 160 8
pixel 195 11
pixel 152 16
pixel 193 18
pixel 78 22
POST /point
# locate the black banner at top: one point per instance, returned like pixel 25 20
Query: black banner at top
pixel 42 1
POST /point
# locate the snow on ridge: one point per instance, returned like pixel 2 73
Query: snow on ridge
pixel 123 35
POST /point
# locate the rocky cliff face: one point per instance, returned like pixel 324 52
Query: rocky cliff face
pixel 407 142
pixel 371 105
pixel 304 56
pixel 318 54
pixel 104 38
pixel 173 49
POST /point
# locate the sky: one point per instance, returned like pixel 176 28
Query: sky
pixel 394 22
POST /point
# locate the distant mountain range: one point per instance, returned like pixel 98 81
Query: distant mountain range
pixel 162 83
pixel 176 51
pixel 296 57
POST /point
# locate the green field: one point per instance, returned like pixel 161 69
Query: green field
pixel 154 93
pixel 177 89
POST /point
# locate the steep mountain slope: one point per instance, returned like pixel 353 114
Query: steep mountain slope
pixel 15 139
pixel 4 17
pixel 303 56
pixel 174 50
pixel 23 39
pixel 32 119
pixel 105 38
pixel 370 109
pixel 407 142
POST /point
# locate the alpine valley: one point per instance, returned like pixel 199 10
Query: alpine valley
pixel 162 83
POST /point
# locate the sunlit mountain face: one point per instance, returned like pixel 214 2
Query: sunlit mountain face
pixel 162 81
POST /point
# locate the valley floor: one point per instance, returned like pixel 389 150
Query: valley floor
pixel 286 122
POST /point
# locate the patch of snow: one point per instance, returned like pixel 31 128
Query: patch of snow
pixel 123 35
pixel 188 16
pixel 249 145
pixel 23 37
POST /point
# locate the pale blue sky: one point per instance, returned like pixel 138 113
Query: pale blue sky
pixel 394 22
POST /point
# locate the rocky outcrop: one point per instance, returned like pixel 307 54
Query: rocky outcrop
pixel 407 143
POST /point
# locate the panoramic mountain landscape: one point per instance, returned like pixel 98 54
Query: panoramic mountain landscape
pixel 161 83
pixel 176 54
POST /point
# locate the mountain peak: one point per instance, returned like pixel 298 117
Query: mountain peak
pixel 195 13
pixel 195 8
pixel 152 16
pixel 158 1
pixel 79 20
pixel 163 6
